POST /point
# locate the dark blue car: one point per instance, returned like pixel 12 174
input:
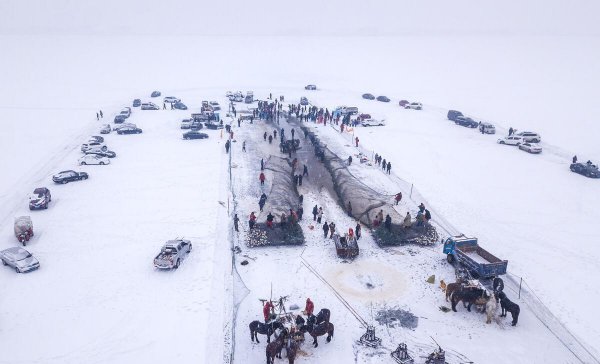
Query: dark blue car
pixel 452 114
pixel 179 106
pixel 137 102
pixel 155 94
pixel 586 169
pixel 194 135
pixel 120 119
pixel 466 122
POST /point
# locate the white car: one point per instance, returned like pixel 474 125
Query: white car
pixel 20 259
pixel 186 123
pixel 414 106
pixel 124 126
pixel 531 148
pixel 93 159
pixel 372 122
pixel 511 140
pixel 126 111
pixel 530 137
pixel 171 100
pixel 89 145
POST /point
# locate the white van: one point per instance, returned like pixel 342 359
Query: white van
pixel 487 128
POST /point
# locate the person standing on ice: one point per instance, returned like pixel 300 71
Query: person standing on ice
pixel 510 131
pixel 398 198
pixel 574 159
pixel 97 116
pixel 320 215
pixel 325 229
pixel 305 171
pixel 262 164
pixel 164 106
pixel 421 208
pixel 275 134
pixel 383 165
pixel 305 133
pixel 251 220
pixel 262 201
pixel 349 209
pixel 101 115
pixel 268 307
pixel 293 132
pixel 270 139
pixel 227 145
pixel 389 167
pixel 265 136
pixel 331 229
pixel 407 221
pixel 349 160
pixel 270 219
pixel 358 230
pixel 388 222
pixel 309 308
pixel 236 220
pixel 244 146
pixel 356 140
pixel 299 180
pixel 262 178
pixel 315 211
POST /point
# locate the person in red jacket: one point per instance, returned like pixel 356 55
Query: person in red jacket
pixel 309 308
pixel 398 197
pixel 267 310
pixel 262 178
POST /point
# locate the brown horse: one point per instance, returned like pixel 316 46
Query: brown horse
pixel 274 349
pixel 451 288
pixel 319 330
pixel 468 296
pixel 291 349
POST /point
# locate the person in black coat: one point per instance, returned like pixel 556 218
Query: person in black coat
pixel 574 159
pixel 236 221
pixel 315 211
pixel 325 229
pixel 358 230
pixel 388 222
pixel 300 212
pixel 261 202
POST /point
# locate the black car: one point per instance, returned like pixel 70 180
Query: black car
pixel 40 198
pixel 101 153
pixel 466 122
pixel 453 114
pixel 155 94
pixel 368 97
pixel 69 176
pixel 196 125
pixel 194 135
pixel 180 106
pixel 383 98
pixel 585 169
pixel 213 125
pixel 137 102
pixel 120 119
pixel 129 130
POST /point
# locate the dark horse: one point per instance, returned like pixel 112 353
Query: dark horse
pixel 257 327
pixel 317 330
pixel 509 306
pixel 291 349
pixel 274 349
pixel 322 316
pixel 468 296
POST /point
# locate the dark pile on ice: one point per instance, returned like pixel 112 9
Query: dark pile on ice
pixel 397 235
pixel 397 317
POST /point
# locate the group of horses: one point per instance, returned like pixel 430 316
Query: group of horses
pixel 483 301
pixel 315 326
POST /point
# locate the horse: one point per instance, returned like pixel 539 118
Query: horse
pixel 468 296
pixel 319 330
pixel 509 306
pixel 490 308
pixel 322 316
pixel 274 349
pixel 257 327
pixel 291 349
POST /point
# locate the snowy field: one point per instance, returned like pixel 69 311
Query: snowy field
pixel 98 299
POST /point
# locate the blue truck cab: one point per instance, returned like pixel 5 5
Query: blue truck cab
pixel 467 252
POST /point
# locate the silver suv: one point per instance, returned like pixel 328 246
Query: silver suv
pixel 530 137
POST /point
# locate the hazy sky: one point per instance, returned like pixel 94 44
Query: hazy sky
pixel 304 17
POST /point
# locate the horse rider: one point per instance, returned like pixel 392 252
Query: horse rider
pixel 268 307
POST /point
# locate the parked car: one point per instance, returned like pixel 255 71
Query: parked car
pixel 126 111
pixel 453 114
pixel 511 140
pixel 180 106
pixel 215 105
pixel 213 125
pixel 310 87
pixel 129 130
pixel 303 101
pixel 466 122
pixel 93 159
pixel 172 254
pixel 149 106
pixel 171 100
pixel 530 137
pixel 194 135
pixel 23 229
pixel 196 125
pixel 585 169
pixel 403 103
pixel 69 176
pixel 105 129
pixel 372 122
pixel 383 98
pixel 124 125
pixel 101 153
pixel 352 110
pixel 186 123
pixel 530 148
pixel 155 94
pixel 137 103
pixel 487 128
pixel 362 117
pixel 20 259
pixel 414 106
pixel 120 119
pixel 368 97
pixel 40 198
pixel 228 93
pixel 90 145
pixel 96 138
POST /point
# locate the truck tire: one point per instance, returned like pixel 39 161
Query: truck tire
pixel 177 264
pixel 17 270
pixel 450 258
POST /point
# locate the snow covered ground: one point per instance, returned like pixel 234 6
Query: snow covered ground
pixel 528 209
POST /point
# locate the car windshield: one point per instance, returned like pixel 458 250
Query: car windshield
pixel 23 256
